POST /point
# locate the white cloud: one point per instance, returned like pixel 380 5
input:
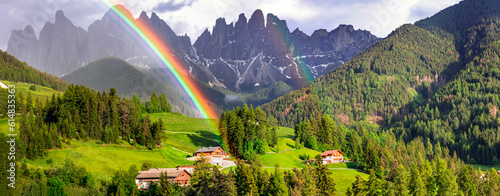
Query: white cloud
pixel 194 16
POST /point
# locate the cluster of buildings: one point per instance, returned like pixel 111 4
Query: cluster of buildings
pixel 181 174
pixel 213 155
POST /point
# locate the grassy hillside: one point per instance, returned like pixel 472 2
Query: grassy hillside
pixel 41 92
pixel 104 160
pixel 184 133
pixel 188 133
pixel 288 159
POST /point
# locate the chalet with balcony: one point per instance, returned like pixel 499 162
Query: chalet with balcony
pixel 214 155
pixel 332 156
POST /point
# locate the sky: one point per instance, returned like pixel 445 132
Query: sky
pixel 192 17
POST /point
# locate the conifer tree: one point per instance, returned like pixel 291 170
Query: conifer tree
pixel 278 185
pixel 416 186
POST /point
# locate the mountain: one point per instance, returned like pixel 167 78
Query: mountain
pixel 106 73
pixel 258 52
pixel 63 47
pixel 245 56
pixel 437 79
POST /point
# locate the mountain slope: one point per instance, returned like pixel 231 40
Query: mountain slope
pixel 437 79
pixel 378 82
pixel 14 70
pixel 107 73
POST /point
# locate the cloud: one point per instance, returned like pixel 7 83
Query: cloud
pixel 193 16
pixel 172 5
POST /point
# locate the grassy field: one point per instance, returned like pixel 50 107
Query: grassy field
pixel 288 159
pixel 188 133
pixel 4 126
pixel 104 160
pixel 191 142
pixel 286 132
pixel 344 179
pixel 42 93
pixel 179 123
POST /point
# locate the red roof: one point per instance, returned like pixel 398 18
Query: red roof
pixel 330 152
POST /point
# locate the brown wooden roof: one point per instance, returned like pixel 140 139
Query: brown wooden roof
pixel 155 173
pixel 207 149
pixel 330 152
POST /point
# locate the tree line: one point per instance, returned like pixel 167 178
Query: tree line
pixel 84 114
pixel 12 69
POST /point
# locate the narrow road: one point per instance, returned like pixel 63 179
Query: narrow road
pixel 301 168
pixel 181 132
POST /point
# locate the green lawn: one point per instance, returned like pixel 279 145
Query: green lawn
pixel 288 159
pixel 284 144
pixel 4 126
pixel 179 123
pixel 344 178
pixel 42 93
pixel 105 160
pixel 286 132
pixel 191 142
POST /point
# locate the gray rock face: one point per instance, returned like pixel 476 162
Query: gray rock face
pixel 242 56
pixel 261 52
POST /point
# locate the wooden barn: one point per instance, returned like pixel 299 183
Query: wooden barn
pixel 175 175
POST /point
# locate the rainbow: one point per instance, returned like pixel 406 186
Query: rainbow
pixel 160 50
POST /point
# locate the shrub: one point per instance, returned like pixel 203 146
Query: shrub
pixel 146 165
pixel 33 87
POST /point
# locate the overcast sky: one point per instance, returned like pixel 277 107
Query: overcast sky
pixel 193 16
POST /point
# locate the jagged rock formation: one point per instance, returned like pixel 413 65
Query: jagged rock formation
pixel 261 52
pixel 248 54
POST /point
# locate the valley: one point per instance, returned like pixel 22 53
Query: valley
pixel 252 108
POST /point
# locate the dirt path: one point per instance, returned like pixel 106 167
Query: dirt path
pixel 181 132
pixel 181 150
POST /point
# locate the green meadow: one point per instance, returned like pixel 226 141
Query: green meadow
pixel 104 160
pixel 178 123
pixel 188 133
pixel 288 159
pixel 42 93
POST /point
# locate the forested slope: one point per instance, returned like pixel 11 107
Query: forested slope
pixel 438 79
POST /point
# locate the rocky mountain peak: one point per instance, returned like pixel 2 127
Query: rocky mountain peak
pixel 256 22
pixel 154 17
pixel 60 17
pixel 143 16
pixel 320 33
pixel 242 19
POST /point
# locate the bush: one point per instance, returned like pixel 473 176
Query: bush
pixel 304 157
pixel 33 87
pixel 146 165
